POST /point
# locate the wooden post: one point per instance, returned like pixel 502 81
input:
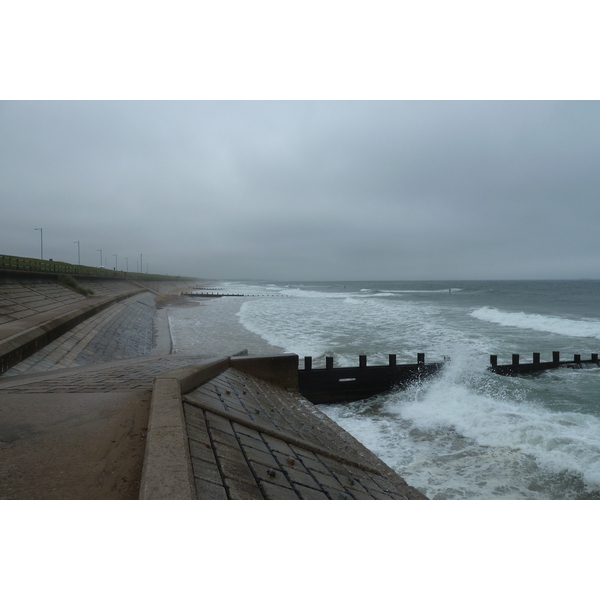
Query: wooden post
pixel 577 358
pixel 594 358
pixel 494 360
pixel 536 358
pixel 329 362
pixel 392 358
pixel 307 363
pixel 515 360
pixel 421 358
pixel 362 361
pixel 556 358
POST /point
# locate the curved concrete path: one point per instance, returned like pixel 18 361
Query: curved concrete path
pixel 123 330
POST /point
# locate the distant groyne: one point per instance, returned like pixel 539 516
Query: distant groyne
pixel 219 295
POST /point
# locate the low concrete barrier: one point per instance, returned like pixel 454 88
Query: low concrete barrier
pixel 167 474
pixel 280 368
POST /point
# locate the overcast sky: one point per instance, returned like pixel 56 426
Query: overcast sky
pixel 303 190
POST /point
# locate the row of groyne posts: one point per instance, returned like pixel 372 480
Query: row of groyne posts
pixel 210 293
pixel 519 368
pixel 343 384
pixel 217 295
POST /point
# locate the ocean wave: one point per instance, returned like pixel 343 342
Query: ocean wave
pixel 442 291
pixel 298 293
pixel 355 325
pixel 558 441
pixel 536 322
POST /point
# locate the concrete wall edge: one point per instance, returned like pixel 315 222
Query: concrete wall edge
pixel 167 470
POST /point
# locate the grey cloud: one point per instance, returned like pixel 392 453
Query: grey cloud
pixel 313 190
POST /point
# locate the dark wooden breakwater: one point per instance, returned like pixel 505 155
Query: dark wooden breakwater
pixel 519 368
pixel 331 385
pixel 344 384
pixel 217 295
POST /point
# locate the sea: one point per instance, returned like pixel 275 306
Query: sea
pixel 465 433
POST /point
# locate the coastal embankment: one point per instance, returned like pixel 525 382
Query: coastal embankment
pixel 93 405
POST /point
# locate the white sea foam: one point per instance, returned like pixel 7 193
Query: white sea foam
pixel 345 326
pixel 506 421
pixel 442 291
pixel 468 434
pixel 384 291
pixel 301 293
pixel 571 327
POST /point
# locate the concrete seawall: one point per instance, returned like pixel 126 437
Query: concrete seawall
pixel 87 411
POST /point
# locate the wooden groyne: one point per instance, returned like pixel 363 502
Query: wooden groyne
pixel 331 384
pixel 518 368
pixel 218 295
pixel 344 384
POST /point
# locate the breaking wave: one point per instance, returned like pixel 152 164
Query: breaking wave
pixel 571 327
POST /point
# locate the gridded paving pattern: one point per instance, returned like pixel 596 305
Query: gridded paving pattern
pixel 106 287
pixel 132 374
pixel 19 300
pixel 252 440
pixel 123 330
pixel 103 287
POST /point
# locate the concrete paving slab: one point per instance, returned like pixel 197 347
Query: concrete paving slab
pixel 72 446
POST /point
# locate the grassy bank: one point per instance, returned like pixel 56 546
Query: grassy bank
pixel 50 267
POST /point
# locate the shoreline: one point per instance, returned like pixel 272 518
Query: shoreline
pixel 215 329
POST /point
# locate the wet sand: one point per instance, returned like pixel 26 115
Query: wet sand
pixel 212 327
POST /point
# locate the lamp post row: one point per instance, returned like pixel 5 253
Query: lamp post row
pixel 41 241
pixel 40 229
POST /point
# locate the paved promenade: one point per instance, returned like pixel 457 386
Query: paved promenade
pixel 104 411
pixel 78 433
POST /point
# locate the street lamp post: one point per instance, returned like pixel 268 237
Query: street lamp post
pixel 115 261
pixel 78 253
pixel 127 264
pixel 100 257
pixel 41 240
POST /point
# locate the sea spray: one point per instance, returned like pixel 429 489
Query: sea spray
pixel 467 433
